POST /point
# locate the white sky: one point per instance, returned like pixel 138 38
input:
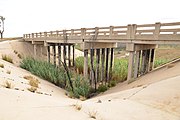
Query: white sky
pixel 26 16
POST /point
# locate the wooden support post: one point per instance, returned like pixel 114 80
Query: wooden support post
pixel 152 60
pixel 35 51
pixel 143 62
pixel 64 53
pixel 92 67
pixel 48 54
pixel 107 62
pixel 111 63
pixel 59 54
pixel 73 55
pixel 54 54
pixel 69 55
pixel 97 66
pixel 86 63
pixel 136 68
pixel 130 65
pixel 102 64
pixel 147 61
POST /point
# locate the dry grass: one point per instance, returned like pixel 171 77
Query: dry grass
pixel 92 114
pixel 77 106
pixel 2 65
pixel 32 89
pixel 8 72
pixel 32 81
pixel 7 58
pixel 8 85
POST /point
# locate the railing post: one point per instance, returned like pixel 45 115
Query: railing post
pixel 157 30
pixel 83 32
pixel 111 31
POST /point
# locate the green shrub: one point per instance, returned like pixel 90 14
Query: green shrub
pixel 120 70
pixel 45 70
pixel 159 62
pixel 81 87
pixel 102 88
pixel 7 58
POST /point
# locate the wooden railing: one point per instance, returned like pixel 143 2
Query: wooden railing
pixel 157 31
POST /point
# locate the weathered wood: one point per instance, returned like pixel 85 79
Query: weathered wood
pixel 73 56
pixel 152 60
pixel 59 54
pixel 147 60
pixel 111 63
pixel 107 65
pixel 130 65
pixel 143 62
pixel 64 53
pixel 35 51
pixel 86 63
pixel 136 68
pixel 69 55
pixel 97 66
pixel 48 54
pixel 54 54
pixel 92 67
pixel 102 64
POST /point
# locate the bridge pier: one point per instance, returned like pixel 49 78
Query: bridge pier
pixel 141 59
pixel 100 72
pixel 59 52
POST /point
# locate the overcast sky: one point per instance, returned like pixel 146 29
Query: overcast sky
pixel 26 16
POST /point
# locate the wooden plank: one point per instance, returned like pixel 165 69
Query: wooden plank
pixel 107 63
pixel 136 68
pixel 54 54
pixel 73 56
pixel 111 63
pixel 102 64
pixel 86 64
pixel 97 65
pixel 59 54
pixel 152 59
pixel 48 54
pixel 69 55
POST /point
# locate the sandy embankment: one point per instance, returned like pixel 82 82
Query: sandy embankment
pixel 152 97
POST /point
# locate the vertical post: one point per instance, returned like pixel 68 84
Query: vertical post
pixel 92 67
pixel 111 63
pixel 152 60
pixel 48 54
pixel 102 64
pixel 59 54
pixel 35 51
pixel 97 65
pixel 86 63
pixel 147 61
pixel 69 55
pixel 107 62
pixel 130 65
pixel 143 62
pixel 64 53
pixel 54 53
pixel 73 55
pixel 136 68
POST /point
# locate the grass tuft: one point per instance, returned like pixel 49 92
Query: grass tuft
pixel 32 89
pixel 2 65
pixel 92 114
pixel 7 58
pixel 8 85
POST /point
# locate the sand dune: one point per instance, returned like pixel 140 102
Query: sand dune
pixel 155 96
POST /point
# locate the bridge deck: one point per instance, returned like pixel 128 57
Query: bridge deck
pixel 158 33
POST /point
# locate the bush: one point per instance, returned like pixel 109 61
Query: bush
pixel 81 87
pixel 2 65
pixel 7 58
pixel 102 88
pixel 159 62
pixel 45 70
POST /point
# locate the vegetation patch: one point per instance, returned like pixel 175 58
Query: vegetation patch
pixel 2 65
pixel 7 58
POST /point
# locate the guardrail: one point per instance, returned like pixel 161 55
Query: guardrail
pixel 157 31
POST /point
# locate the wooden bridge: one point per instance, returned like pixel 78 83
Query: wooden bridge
pixel 140 40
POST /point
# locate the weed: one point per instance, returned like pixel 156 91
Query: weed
pixel 8 72
pixel 32 89
pixel 92 114
pixel 102 88
pixel 77 106
pixel 8 85
pixel 2 65
pixel 7 58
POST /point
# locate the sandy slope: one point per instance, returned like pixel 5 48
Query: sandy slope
pixel 155 96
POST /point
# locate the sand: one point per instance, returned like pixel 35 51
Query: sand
pixel 155 96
